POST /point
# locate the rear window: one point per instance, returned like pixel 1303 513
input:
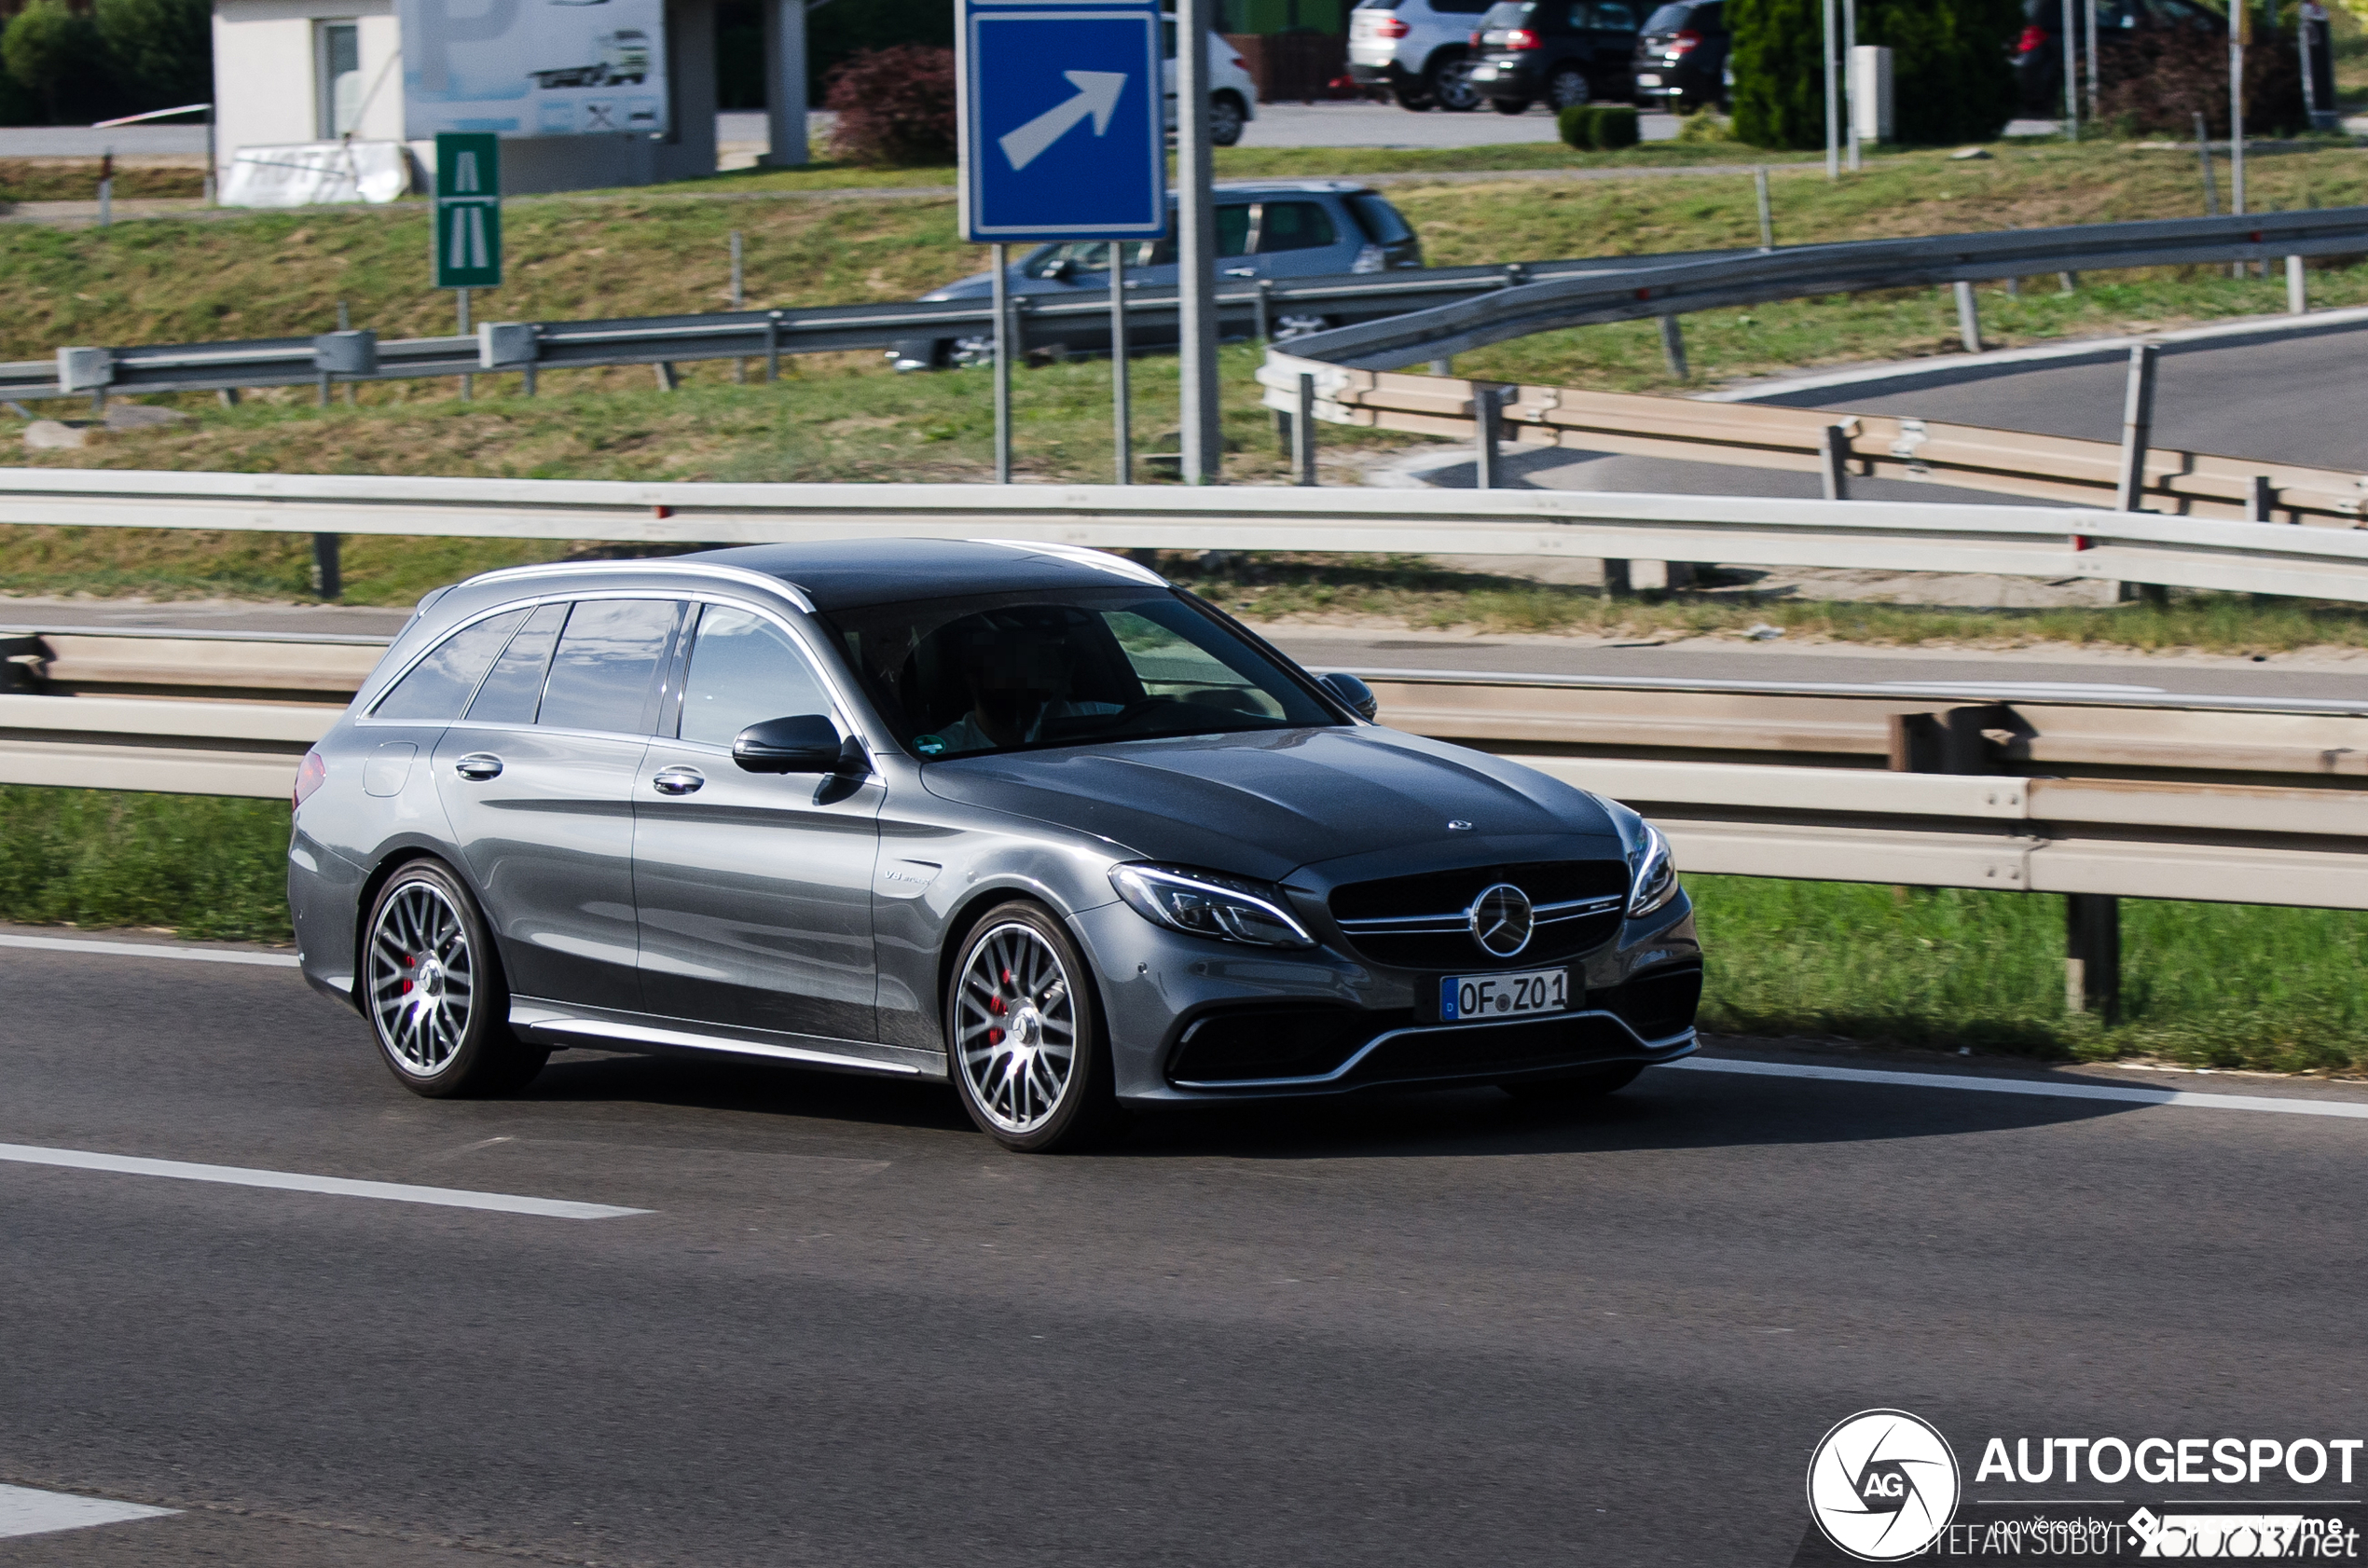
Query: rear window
pixel 608 657
pixel 440 683
pixel 1379 219
pixel 1667 19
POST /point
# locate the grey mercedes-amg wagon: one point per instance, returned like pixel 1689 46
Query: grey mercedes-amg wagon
pixel 1023 816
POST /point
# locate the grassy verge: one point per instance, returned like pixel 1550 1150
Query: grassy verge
pixel 2210 985
pixel 24 179
pixel 2223 986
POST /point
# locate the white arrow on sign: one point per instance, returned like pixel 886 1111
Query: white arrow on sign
pixel 1096 94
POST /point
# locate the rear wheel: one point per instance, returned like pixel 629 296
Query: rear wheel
pixel 1227 115
pixel 433 988
pixel 1591 1085
pixel 1509 105
pixel 1450 84
pixel 1023 1037
pixel 1413 96
pixel 1566 88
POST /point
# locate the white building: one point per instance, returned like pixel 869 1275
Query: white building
pixel 291 73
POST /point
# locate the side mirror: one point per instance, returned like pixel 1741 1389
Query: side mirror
pixel 1354 693
pixel 804 743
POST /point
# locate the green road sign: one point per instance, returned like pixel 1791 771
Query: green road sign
pixel 468 210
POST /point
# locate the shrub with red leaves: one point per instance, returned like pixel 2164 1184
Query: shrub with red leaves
pixel 2165 75
pixel 895 106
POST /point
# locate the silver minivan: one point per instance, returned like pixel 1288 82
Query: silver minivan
pixel 1419 50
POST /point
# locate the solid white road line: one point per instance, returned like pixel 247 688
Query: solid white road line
pixel 2030 1086
pixel 24 1511
pixel 150 950
pixel 290 1181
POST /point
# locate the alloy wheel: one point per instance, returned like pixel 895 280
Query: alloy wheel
pixel 1452 84
pixel 422 979
pixel 1015 1028
pixel 1567 90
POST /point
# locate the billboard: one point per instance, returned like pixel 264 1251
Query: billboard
pixel 533 67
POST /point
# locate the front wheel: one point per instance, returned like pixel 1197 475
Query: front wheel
pixel 433 991
pixel 1226 118
pixel 1023 1040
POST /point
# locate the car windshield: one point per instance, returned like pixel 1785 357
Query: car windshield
pixel 1024 671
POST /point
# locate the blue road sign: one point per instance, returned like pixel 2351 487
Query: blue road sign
pixel 1063 120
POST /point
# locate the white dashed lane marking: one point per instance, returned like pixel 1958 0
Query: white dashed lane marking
pixel 150 950
pixel 24 1511
pixel 291 1181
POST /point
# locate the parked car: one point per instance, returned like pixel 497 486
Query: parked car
pixel 1420 51
pixel 2037 54
pixel 1564 51
pixel 1024 819
pixel 1681 56
pixel 1286 228
pixel 1233 95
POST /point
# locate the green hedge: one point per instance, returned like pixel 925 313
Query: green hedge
pixel 1598 126
pixel 1949 77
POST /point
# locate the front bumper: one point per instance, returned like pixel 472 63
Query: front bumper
pixel 1191 1020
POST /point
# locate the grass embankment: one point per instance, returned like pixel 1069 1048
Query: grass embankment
pixel 2210 985
pixel 846 418
pixel 42 179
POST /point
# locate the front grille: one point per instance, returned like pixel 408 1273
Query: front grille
pixel 1495 1048
pixel 1578 905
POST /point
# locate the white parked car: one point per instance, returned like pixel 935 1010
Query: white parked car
pixel 1232 99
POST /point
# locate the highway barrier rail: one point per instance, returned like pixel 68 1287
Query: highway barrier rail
pixel 2004 787
pixel 1749 531
pixel 1376 320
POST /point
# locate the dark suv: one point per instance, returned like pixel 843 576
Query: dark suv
pixel 1681 56
pixel 1564 51
pixel 2037 56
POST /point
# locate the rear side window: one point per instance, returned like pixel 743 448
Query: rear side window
pixel 1294 226
pixel 744 670
pixel 439 684
pixel 1380 219
pixel 607 660
pixel 510 694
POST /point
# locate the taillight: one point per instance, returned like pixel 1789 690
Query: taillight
pixel 312 774
pixel 1520 38
pixel 1390 27
pixel 1475 40
pixel 2033 38
pixel 1240 64
pixel 1680 42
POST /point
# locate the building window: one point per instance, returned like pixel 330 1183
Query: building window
pixel 339 46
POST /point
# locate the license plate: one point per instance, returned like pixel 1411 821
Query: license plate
pixel 1645 78
pixel 1503 995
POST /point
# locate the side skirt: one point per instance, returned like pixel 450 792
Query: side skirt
pixel 559 1022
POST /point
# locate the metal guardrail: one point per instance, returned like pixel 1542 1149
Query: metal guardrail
pixel 2230 800
pixel 1386 318
pixel 1749 531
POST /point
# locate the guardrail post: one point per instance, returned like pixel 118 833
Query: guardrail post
pixel 2260 498
pixel 1303 433
pixel 2067 282
pixel 1968 318
pixel 772 347
pixel 1260 299
pixel 1673 347
pixel 2297 302
pixel 668 379
pixel 328 580
pixel 1767 218
pixel 1488 429
pixel 1833 467
pixel 2092 955
pixel 2137 426
pixel 740 302
pixel 1443 364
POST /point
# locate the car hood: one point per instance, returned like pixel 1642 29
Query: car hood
pixel 1263 804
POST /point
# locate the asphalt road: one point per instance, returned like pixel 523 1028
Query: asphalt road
pixel 1439 1329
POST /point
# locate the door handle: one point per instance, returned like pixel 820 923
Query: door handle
pixel 678 780
pixel 1240 271
pixel 479 765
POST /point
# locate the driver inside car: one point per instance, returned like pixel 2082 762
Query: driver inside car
pixel 1019 680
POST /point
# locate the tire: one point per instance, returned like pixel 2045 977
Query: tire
pixel 1591 1085
pixel 1567 88
pixel 1019 993
pixel 1226 118
pixel 1509 105
pixel 433 990
pixel 1414 97
pixel 1450 85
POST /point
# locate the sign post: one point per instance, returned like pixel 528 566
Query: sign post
pixel 1064 137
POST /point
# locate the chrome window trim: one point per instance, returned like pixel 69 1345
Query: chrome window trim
pixel 530 605
pixel 1374 1044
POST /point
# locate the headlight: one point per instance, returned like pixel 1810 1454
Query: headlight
pixel 1656 880
pixel 1202 904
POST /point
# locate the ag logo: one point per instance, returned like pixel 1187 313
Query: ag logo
pixel 1882 1485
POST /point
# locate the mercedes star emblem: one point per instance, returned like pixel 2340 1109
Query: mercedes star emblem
pixel 1501 920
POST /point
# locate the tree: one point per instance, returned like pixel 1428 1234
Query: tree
pixel 162 51
pixel 1949 77
pixel 56 56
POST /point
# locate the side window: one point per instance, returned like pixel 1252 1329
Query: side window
pixel 440 683
pixel 607 660
pixel 510 692
pixel 1233 229
pixel 1294 226
pixel 1614 16
pixel 744 670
